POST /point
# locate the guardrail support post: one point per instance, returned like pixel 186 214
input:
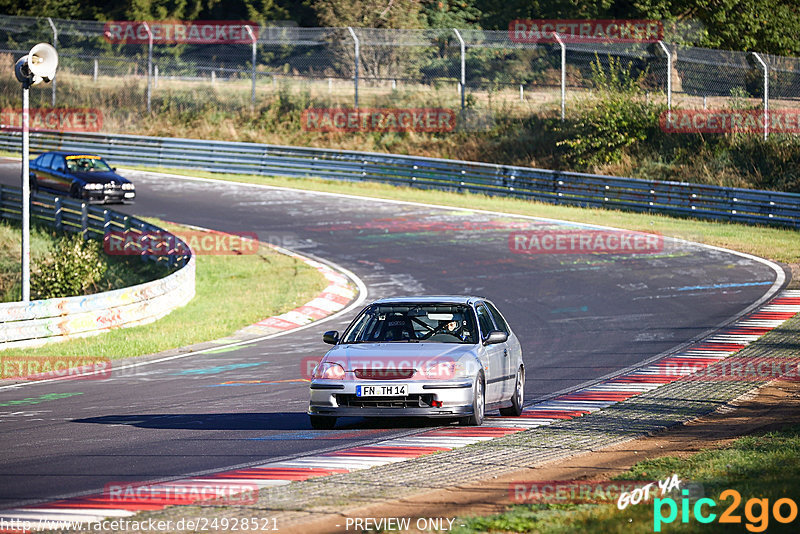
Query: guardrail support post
pixel 358 60
pixel 463 66
pixel 563 75
pixel 58 216
pixel 85 220
pixel 253 63
pixel 766 93
pixel 149 62
pixel 55 45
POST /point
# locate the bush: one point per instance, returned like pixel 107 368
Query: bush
pixel 616 119
pixel 74 268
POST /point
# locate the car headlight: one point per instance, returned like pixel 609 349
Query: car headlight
pixel 447 370
pixel 127 186
pixel 93 186
pixel 329 371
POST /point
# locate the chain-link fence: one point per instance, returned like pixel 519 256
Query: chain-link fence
pixel 363 67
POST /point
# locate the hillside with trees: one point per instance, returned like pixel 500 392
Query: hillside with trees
pixel 770 26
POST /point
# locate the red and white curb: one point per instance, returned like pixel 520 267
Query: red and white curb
pixel 694 359
pixel 575 404
pixel 333 298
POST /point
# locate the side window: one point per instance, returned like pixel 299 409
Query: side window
pixel 58 164
pixel 484 320
pixel 45 161
pixel 498 319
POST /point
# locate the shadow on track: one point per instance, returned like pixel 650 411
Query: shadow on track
pixel 250 421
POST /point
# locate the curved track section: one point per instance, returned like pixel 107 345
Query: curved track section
pixel 580 317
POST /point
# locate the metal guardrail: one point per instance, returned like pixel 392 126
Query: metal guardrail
pixel 569 188
pixel 25 324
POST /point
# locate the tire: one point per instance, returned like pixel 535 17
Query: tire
pixel 34 186
pixel 517 398
pixel 478 404
pixel 322 422
pixel 75 191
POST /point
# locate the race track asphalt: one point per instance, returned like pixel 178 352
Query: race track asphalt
pixel 578 316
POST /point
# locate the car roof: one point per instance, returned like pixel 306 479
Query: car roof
pixel 430 299
pixel 60 153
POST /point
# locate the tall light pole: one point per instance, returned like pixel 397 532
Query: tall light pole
pixel 37 67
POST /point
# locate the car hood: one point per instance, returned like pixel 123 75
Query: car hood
pixel 398 355
pixel 101 177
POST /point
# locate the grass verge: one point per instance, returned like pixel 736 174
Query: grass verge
pixel 231 292
pixel 764 467
pixel 778 244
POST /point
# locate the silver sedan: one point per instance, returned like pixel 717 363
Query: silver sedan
pixel 449 357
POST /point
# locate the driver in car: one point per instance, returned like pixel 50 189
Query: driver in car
pixel 456 328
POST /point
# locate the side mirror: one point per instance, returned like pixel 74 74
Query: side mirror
pixel 495 336
pixel 331 337
pixel 114 169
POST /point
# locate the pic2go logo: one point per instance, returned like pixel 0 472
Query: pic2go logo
pixel 783 510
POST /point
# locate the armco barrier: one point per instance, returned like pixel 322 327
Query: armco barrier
pixel 569 188
pixel 26 324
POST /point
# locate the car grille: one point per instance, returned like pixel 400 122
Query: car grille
pixel 384 374
pixel 412 401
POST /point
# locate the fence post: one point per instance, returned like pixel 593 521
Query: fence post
pixel 563 75
pixel 463 66
pixel 55 45
pixel 358 56
pixel 766 94
pixel 96 69
pixel 669 78
pixel 149 62
pixel 253 62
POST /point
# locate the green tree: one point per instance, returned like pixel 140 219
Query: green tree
pixel 452 13
pixel 369 13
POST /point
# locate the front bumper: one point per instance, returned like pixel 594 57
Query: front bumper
pixel 108 196
pixel 338 398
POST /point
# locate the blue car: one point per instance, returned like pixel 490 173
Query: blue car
pixel 79 175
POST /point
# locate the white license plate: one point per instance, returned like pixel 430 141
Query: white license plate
pixel 390 390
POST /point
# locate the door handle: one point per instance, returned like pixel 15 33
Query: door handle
pixel 505 352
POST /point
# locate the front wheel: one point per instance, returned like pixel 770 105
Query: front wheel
pixel 515 410
pixel 34 185
pixel 478 404
pixel 75 191
pixel 322 422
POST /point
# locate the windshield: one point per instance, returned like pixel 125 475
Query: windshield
pixel 87 164
pixel 436 323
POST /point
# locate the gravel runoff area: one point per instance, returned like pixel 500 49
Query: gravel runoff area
pixel 294 507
